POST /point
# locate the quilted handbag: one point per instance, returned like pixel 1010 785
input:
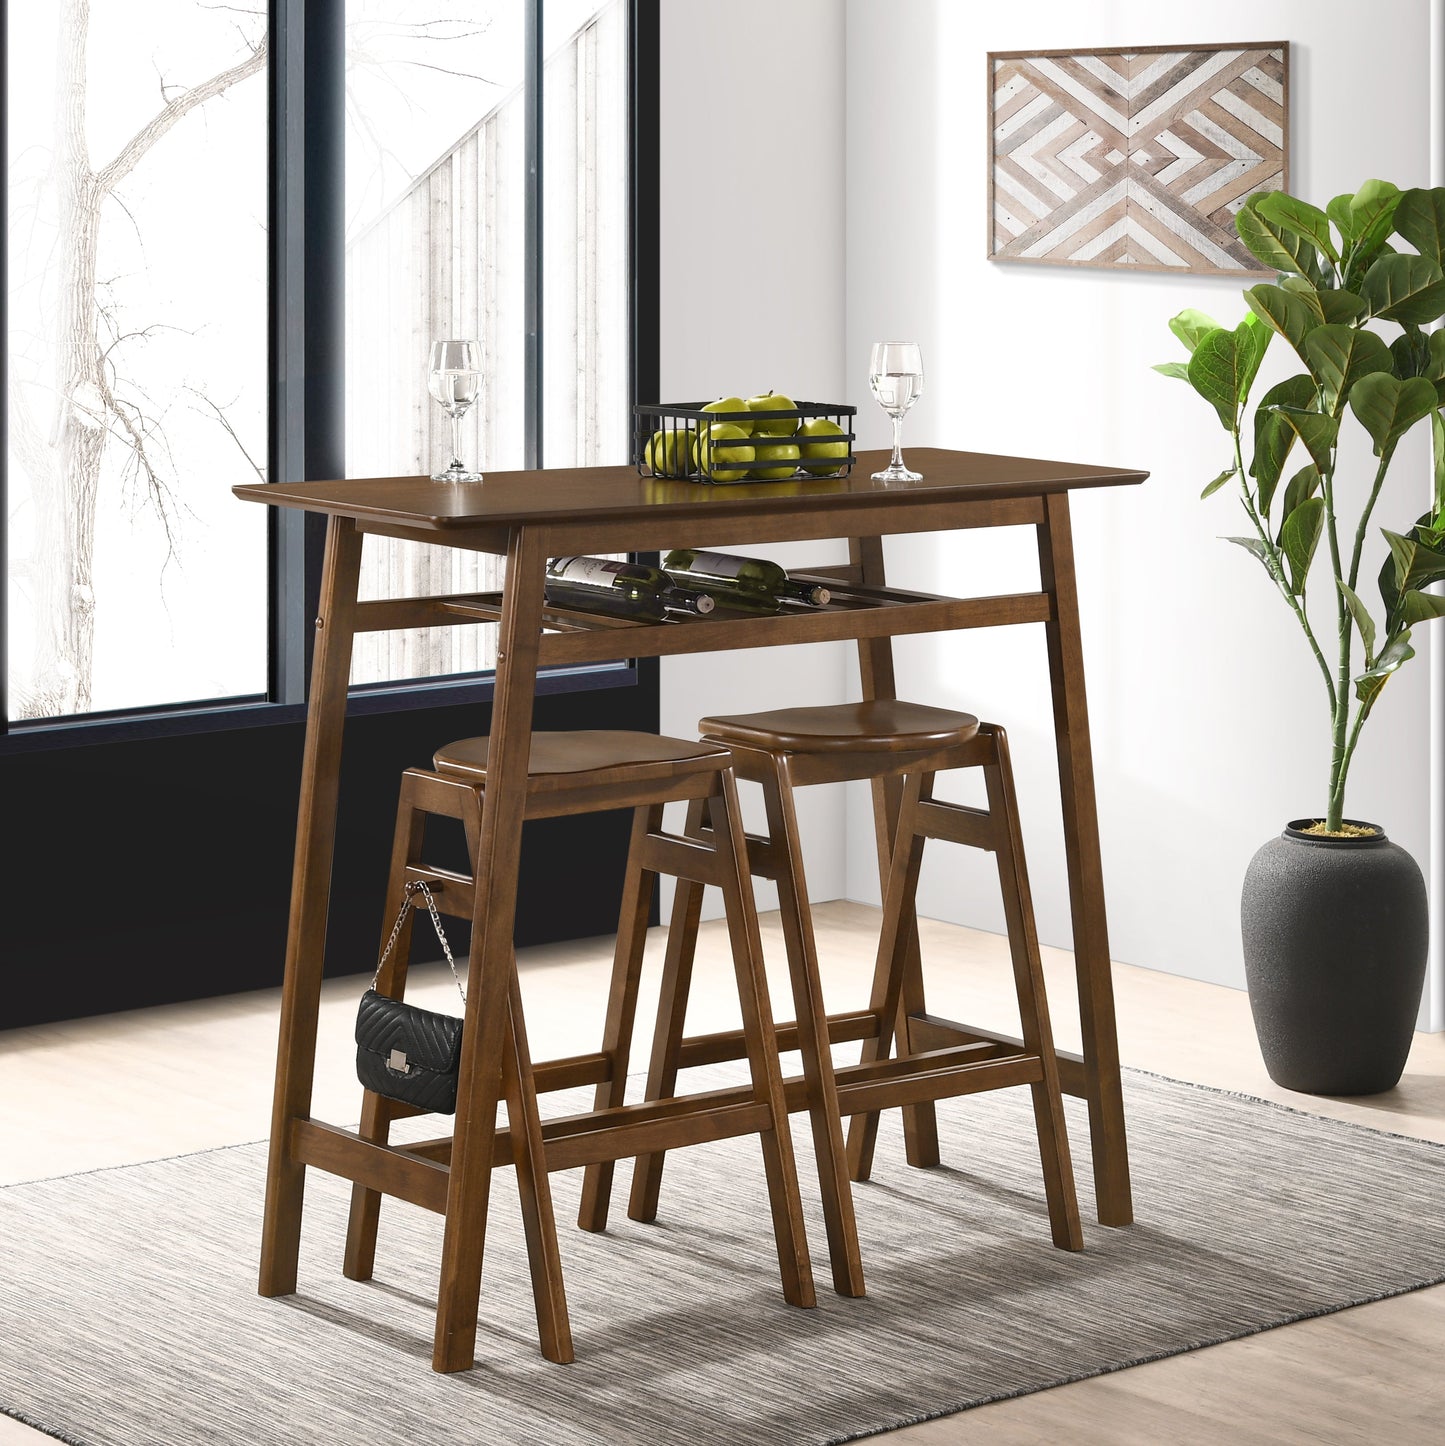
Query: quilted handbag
pixel 403 1052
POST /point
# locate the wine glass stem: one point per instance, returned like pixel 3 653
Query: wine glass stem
pixel 457 443
pixel 897 462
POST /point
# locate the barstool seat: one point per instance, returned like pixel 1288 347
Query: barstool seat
pixel 586 759
pixel 880 725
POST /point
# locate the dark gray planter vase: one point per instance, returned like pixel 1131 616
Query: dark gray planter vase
pixel 1335 938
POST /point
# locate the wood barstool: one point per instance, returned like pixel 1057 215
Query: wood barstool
pixel 571 773
pixel 883 739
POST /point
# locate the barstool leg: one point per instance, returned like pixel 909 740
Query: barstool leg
pixel 920 1122
pixel 554 1329
pixel 812 1017
pixel 529 1156
pixel 621 1008
pixel 406 848
pixel 1033 1001
pixel 890 974
pixel 671 1019
pixel 762 1045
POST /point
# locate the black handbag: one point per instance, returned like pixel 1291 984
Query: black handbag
pixel 403 1052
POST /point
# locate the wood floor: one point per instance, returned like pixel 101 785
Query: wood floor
pixel 167 1081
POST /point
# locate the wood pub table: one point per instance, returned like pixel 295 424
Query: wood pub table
pixel 528 517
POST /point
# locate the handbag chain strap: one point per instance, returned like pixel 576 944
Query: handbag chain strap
pixel 415 887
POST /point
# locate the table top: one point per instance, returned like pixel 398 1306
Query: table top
pixel 616 494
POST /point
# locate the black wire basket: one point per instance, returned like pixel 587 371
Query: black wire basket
pixel 665 443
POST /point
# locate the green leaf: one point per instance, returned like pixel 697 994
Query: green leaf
pixel 1338 210
pixel 1420 607
pixel 1305 483
pixel 1387 407
pixel 1420 219
pixel 1389 592
pixel 1300 217
pixel 1191 327
pixel 1372 680
pixel 1254 342
pixel 1285 311
pixel 1338 356
pixel 1363 620
pixel 1404 289
pixel 1434 370
pixel 1340 306
pixel 1429 530
pixel 1174 369
pixel 1415 564
pixel 1224 365
pixel 1315 430
pixel 1277 248
pixel 1218 482
pixel 1295 391
pixel 1255 546
pixel 1372 214
pixel 1410 353
pixel 1273 438
pixel 1299 537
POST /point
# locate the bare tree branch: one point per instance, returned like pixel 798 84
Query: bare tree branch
pixel 130 153
pixel 136 439
pixel 225 421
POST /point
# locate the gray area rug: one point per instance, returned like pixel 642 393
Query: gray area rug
pixel 131 1317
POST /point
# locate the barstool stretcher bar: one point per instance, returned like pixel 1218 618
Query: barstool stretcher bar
pixel 528 516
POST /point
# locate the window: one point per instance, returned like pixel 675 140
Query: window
pixel 438 246
pixel 136 361
pixel 486 194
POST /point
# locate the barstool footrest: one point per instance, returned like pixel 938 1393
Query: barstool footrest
pixel 683 858
pixel 727 1044
pixel 377 1167
pixel 929 1031
pixel 938 1075
pixel 571 1142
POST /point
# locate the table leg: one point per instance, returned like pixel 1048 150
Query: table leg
pixel 310 896
pixel 497 861
pixel 920 1122
pixel 1086 877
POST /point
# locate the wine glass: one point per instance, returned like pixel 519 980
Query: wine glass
pixel 895 372
pixel 455 381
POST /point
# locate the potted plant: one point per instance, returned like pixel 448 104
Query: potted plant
pixel 1334 914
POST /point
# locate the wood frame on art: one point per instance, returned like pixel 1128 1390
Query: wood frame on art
pixel 1134 158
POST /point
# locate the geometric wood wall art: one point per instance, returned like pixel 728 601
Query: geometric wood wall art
pixel 1134 158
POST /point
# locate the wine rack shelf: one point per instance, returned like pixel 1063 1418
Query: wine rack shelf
pixel 572 636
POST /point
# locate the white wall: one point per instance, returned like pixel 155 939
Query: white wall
pixel 1208 723
pixel 752 105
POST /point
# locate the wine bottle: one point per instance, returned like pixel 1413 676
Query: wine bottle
pixel 625 589
pixel 727 575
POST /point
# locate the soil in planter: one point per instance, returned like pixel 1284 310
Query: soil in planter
pixel 1348 830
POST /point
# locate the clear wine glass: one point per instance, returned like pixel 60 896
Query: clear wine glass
pixel 895 372
pixel 455 382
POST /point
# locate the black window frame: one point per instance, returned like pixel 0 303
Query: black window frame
pixel 306 413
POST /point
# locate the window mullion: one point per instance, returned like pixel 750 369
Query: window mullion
pixel 532 274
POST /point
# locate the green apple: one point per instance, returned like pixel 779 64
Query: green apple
pixel 821 427
pixel 773 402
pixel 784 457
pixel 669 453
pixel 710 454
pixel 732 404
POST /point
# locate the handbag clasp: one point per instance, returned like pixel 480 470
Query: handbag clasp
pixel 396 1062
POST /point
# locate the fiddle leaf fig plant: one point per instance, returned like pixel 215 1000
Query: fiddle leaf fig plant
pixel 1351 304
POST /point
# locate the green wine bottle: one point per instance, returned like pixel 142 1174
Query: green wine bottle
pixel 624 589
pixel 728 575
